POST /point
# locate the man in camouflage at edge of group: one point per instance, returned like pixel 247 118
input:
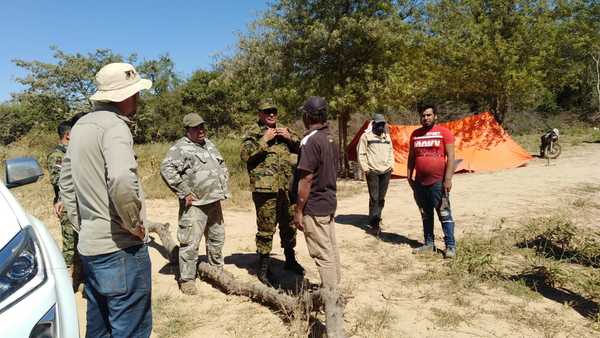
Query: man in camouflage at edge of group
pixel 267 149
pixel 195 170
pixel 68 233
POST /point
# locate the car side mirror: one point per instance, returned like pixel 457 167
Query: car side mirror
pixel 20 171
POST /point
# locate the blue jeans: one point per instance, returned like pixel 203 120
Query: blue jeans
pixel 433 197
pixel 118 289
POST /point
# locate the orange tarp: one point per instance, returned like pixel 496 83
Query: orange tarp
pixel 481 145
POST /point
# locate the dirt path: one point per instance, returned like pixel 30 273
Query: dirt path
pixel 380 274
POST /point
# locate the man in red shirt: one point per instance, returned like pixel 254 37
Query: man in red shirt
pixel 431 159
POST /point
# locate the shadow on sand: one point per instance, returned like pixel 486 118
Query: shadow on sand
pixel 287 281
pixel 585 307
pixel 361 221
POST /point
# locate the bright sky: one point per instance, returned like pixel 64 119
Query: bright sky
pixel 192 31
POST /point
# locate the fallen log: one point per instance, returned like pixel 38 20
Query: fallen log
pixel 162 230
pixel 261 293
pixel 289 305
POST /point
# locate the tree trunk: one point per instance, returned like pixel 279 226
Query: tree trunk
pixel 334 313
pixel 500 109
pixel 341 148
pixel 597 61
pixel 289 305
pixel 162 229
pixel 343 141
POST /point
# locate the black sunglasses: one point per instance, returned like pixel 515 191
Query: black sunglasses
pixel 269 111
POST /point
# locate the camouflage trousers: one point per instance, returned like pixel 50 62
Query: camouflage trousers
pixel 70 238
pixel 194 221
pixel 271 209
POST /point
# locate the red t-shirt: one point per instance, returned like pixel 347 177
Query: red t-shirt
pixel 429 146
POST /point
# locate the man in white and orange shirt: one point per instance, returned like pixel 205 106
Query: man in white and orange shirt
pixel 431 159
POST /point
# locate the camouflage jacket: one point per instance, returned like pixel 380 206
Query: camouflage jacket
pixel 270 165
pixel 55 160
pixel 189 167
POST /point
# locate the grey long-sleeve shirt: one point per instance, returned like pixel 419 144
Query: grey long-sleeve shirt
pixel 99 184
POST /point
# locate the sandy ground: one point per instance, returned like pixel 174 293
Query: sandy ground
pixel 379 274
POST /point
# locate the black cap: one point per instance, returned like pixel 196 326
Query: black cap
pixel 314 105
pixel 378 118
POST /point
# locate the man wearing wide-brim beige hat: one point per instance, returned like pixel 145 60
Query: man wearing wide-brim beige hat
pixel 103 198
pixel 118 81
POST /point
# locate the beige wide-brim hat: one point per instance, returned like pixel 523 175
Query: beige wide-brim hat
pixel 116 82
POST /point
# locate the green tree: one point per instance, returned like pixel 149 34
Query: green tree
pixel 207 95
pixel 69 80
pixel 15 122
pixel 339 49
pixel 571 74
pixel 489 52
pixel 55 91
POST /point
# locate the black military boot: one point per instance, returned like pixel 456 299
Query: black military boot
pixel 291 264
pixel 264 261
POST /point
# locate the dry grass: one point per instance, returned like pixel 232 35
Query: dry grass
pixel 172 319
pixel 447 318
pixel 544 257
pixel 373 322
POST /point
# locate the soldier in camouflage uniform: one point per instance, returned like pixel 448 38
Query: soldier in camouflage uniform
pixel 267 149
pixel 54 160
pixel 195 170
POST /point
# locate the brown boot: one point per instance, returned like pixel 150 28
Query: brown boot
pixel 188 287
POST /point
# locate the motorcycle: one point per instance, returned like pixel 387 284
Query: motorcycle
pixel 549 147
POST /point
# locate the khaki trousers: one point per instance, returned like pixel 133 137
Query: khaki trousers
pixel 319 232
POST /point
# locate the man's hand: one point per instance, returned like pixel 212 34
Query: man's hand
pixel 189 199
pixel 58 208
pixel 298 220
pixel 284 132
pixel 447 185
pixel 139 232
pixel 269 134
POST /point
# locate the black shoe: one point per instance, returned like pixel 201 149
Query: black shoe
pixel 264 261
pixel 291 264
pixel 374 230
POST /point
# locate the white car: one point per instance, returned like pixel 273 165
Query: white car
pixel 36 292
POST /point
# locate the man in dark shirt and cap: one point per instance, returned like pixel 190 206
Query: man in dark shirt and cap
pixel 316 198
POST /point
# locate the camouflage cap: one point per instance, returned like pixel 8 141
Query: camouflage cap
pixel 192 120
pixel 266 104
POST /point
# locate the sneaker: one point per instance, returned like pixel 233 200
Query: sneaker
pixel 450 253
pixel 188 288
pixel 424 248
